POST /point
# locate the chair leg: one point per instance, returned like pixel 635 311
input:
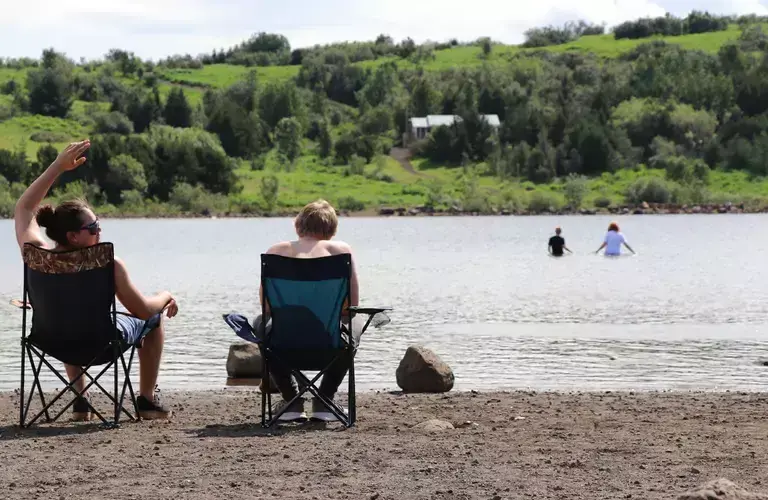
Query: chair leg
pixel 21 389
pixel 352 397
pixel 36 385
pixel 117 404
pixel 127 384
pixel 266 395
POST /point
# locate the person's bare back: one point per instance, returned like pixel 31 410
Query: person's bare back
pixel 309 248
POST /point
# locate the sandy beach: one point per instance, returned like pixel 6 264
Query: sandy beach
pixel 504 446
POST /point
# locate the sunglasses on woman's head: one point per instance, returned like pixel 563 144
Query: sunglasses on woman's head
pixel 94 227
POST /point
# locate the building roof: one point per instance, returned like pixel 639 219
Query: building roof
pixel 493 120
pixel 430 121
pixel 417 122
pixel 439 120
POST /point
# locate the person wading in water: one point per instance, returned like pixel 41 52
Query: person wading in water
pixel 557 244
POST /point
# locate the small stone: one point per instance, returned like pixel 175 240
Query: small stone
pixel 433 425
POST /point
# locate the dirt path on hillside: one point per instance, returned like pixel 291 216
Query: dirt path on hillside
pixel 403 157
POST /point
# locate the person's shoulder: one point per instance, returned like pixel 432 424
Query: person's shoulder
pixel 283 248
pixel 337 247
pixel 120 267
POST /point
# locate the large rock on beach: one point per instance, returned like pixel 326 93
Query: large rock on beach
pixel 721 489
pixel 244 361
pixel 421 370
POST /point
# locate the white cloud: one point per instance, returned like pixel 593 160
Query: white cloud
pixel 156 28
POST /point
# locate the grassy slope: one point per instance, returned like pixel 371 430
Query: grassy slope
pixel 221 75
pixel 310 178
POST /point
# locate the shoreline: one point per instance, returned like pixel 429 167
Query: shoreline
pixel 502 445
pixel 387 212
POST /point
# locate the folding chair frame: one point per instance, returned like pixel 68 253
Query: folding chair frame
pixel 31 352
pixel 305 384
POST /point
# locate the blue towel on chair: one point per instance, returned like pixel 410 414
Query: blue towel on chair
pixel 242 327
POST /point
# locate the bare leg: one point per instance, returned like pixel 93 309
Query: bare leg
pixel 72 373
pixel 149 362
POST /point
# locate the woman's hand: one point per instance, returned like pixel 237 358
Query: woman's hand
pixel 70 158
pixel 171 308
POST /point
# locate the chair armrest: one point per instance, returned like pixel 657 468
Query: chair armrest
pixel 376 316
pixel 20 304
pixel 368 310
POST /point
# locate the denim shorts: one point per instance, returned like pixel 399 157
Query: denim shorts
pixel 135 329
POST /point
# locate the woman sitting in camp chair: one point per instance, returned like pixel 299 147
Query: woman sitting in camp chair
pixel 73 225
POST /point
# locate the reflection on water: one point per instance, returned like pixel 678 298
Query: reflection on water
pixel 687 312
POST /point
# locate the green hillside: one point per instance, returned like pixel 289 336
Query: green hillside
pixel 676 113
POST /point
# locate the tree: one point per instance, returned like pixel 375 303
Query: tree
pixel 143 110
pixel 383 87
pixel 242 133
pixel 124 173
pixel 324 140
pixel 177 112
pixel 377 121
pixel 576 189
pixel 270 190
pixel 487 47
pixel 51 89
pixel 279 101
pixel 188 155
pixel 288 138
pixel 12 165
pixel 425 97
pixel 113 123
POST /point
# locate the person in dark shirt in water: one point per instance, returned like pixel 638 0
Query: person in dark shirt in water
pixel 557 244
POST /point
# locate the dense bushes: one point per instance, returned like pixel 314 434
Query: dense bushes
pixel 553 35
pixel 696 22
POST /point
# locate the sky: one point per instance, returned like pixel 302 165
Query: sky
pixel 154 29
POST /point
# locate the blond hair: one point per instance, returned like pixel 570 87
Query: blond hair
pixel 317 219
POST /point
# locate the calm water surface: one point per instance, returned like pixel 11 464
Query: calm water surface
pixel 689 312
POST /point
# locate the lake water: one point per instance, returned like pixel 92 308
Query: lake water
pixel 689 312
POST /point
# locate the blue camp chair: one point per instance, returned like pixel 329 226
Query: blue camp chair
pixel 305 299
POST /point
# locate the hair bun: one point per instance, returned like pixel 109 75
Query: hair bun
pixel 45 216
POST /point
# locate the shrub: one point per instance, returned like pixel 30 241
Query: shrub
pixel 602 201
pixel 47 136
pixel 351 204
pixel 575 190
pixel 270 190
pixel 195 199
pixel 543 201
pixel 113 123
pixel 691 194
pixel 356 165
pixel 650 190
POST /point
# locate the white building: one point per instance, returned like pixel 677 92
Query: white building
pixel 420 127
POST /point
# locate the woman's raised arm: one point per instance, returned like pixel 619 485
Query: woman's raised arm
pixel 27 229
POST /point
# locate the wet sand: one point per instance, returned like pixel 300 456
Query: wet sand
pixel 504 446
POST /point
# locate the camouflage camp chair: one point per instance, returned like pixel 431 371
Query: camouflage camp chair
pixel 71 296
